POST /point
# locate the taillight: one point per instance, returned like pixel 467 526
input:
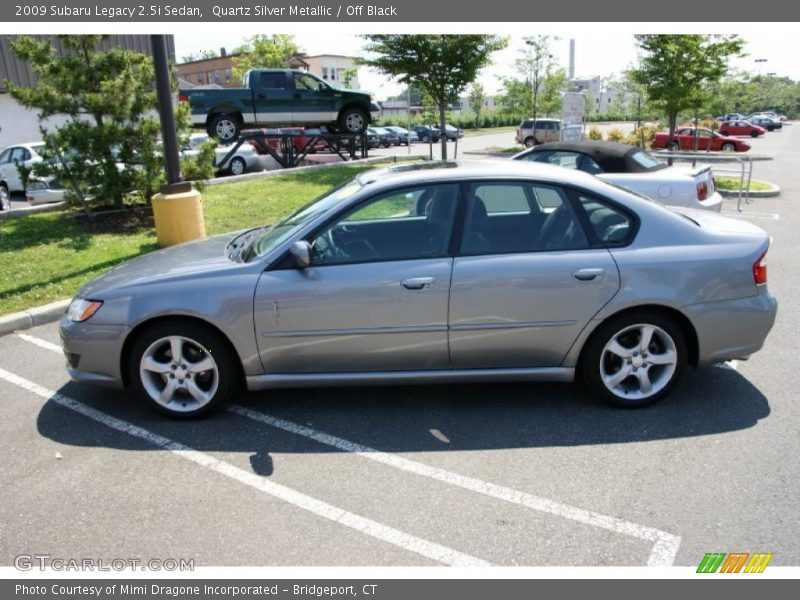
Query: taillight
pixel 760 270
pixel 183 98
pixel 702 190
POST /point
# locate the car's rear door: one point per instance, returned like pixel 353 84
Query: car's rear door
pixel 272 98
pixel 527 279
pixel 376 295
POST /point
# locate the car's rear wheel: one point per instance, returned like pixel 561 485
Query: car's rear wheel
pixel 728 147
pixel 353 120
pixel 226 128
pixel 530 142
pixel 238 166
pixel 673 146
pixel 635 359
pixel 182 369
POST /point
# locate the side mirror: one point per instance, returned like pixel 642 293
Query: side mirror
pixel 301 252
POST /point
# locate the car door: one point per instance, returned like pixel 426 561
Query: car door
pixel 375 296
pixel 11 175
pixel 314 101
pixel 527 278
pixel 273 98
pixel 5 164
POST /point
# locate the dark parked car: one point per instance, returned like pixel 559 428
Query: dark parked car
pixel 767 123
pixel 404 135
pixel 428 133
pixel 453 133
pixel 387 137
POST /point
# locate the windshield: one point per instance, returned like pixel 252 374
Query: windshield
pixel 275 235
pixel 646 160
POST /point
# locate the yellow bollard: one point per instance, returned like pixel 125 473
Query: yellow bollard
pixel 178 217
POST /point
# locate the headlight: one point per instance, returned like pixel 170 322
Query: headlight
pixel 81 309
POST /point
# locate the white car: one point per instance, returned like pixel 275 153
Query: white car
pixel 44 190
pixel 11 158
pixel 244 159
pixel 635 169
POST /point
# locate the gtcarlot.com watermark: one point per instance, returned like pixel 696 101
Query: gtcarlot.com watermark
pixel 42 562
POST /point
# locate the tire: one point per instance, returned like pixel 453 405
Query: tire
pixel 754 134
pixel 194 393
pixel 237 166
pixel 673 146
pixel 226 128
pixel 530 142
pixel 353 120
pixel 728 147
pixel 425 139
pixel 5 197
pixel 615 366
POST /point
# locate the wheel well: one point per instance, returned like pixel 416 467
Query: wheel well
pixel 359 107
pixel 137 331
pixel 692 344
pixel 223 111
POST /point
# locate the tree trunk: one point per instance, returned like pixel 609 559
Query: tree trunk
pixel 442 123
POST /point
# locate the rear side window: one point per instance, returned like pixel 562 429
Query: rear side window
pixel 273 81
pixel 611 225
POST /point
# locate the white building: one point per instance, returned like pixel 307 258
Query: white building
pixel 338 69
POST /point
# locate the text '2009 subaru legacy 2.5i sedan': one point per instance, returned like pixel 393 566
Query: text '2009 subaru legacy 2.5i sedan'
pixel 436 272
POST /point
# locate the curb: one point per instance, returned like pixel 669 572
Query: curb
pixel 16 213
pixel 776 191
pixel 33 317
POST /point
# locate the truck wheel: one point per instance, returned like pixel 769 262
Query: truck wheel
pixel 353 120
pixel 225 128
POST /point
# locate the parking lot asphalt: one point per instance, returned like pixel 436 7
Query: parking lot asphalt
pixel 502 474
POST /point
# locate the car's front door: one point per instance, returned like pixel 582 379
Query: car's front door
pixel 527 278
pixel 314 100
pixel 273 98
pixel 10 168
pixel 375 296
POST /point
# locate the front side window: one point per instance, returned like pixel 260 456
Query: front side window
pixel 307 83
pixel 404 225
pixel 520 217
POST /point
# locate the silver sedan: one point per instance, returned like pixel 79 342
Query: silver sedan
pixel 428 273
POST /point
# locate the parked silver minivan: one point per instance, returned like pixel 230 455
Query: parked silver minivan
pixel 532 132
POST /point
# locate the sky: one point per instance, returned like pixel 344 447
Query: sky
pixel 596 53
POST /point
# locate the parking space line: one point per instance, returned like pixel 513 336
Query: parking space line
pixel 665 545
pixel 40 342
pixel 322 509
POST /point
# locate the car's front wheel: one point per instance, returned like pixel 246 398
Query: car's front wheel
pixel 238 166
pixel 754 134
pixel 5 197
pixel 353 120
pixel 182 369
pixel 635 359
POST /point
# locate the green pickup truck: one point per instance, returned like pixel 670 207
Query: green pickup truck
pixel 279 97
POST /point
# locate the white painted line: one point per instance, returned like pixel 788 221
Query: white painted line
pixel 665 545
pixel 322 509
pixel 754 215
pixel 40 342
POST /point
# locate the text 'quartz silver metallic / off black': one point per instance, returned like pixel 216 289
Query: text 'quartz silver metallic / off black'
pixel 433 272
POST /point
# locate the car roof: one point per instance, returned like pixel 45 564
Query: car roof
pixel 611 156
pixel 458 170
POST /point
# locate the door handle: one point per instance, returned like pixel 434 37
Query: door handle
pixel 418 283
pixel 588 274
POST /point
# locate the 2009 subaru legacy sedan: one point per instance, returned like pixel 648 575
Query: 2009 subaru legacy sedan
pixel 434 272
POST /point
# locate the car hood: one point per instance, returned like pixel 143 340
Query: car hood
pixel 183 261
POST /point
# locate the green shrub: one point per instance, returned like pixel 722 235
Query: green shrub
pixel 595 133
pixel 615 135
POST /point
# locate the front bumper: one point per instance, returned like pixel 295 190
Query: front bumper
pixel 93 352
pixel 718 340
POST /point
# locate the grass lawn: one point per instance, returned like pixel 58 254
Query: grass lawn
pixel 488 130
pixel 732 184
pixel 47 257
pixel 505 150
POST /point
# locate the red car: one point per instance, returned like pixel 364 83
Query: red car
pixel 741 128
pixel 706 139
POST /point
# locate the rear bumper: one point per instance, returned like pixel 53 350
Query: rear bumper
pixel 732 329
pixel 93 352
pixel 713 202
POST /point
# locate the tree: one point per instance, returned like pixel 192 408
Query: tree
pixel 677 71
pixel 263 52
pixel 108 144
pixel 477 98
pixel 442 66
pixel 536 65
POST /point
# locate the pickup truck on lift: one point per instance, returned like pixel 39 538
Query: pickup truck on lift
pixel 279 97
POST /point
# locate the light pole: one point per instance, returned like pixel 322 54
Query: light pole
pixel 530 44
pixel 760 62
